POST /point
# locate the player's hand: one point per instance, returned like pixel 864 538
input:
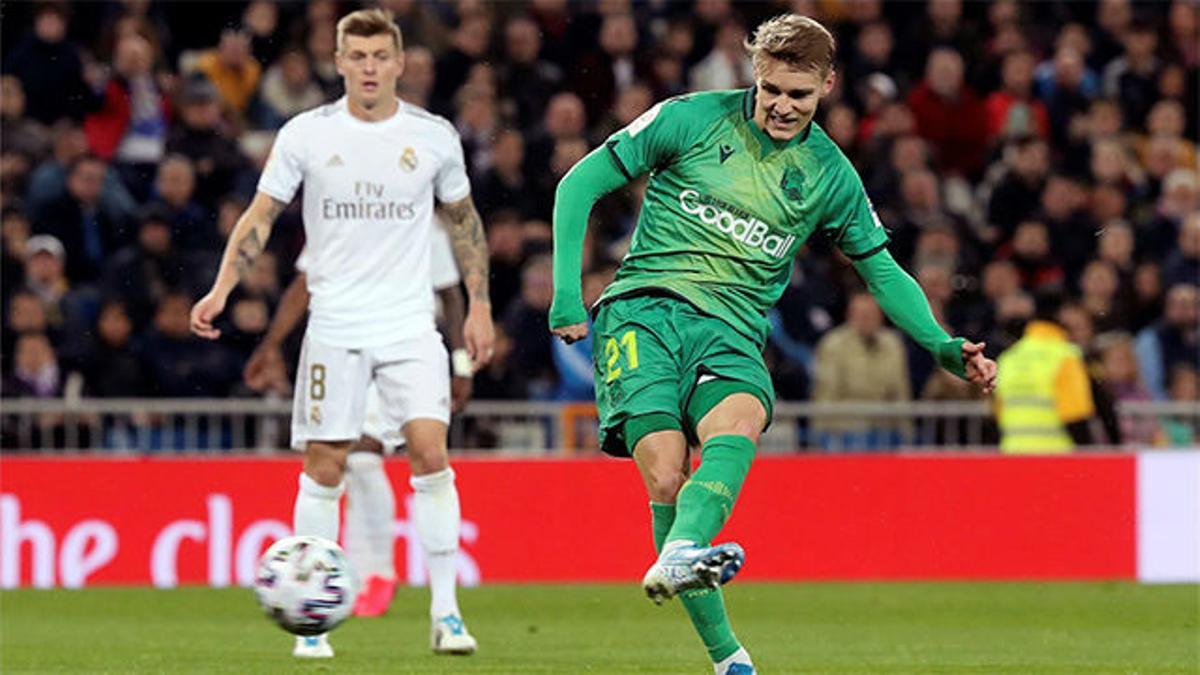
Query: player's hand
pixel 260 368
pixel 460 393
pixel 572 333
pixel 980 369
pixel 479 334
pixel 204 313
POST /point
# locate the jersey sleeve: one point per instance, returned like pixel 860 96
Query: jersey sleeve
pixel 284 172
pixel 443 267
pixel 302 260
pixel 850 220
pixel 655 138
pixel 451 183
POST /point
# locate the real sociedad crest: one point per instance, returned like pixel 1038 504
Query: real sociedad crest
pixel 792 184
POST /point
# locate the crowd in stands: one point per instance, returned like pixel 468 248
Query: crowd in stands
pixel 1010 148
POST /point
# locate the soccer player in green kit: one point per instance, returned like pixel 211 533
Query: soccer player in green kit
pixel 738 181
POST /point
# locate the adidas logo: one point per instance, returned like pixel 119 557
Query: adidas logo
pixel 336 160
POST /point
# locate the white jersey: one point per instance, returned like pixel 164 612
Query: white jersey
pixel 368 216
pixel 443 268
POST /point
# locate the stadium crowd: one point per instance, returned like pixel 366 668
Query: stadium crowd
pixel 1010 149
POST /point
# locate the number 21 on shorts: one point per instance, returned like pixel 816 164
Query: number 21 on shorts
pixel 612 354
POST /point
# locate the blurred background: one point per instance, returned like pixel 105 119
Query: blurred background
pixel 1011 149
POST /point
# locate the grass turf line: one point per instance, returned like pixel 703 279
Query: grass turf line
pixel 789 628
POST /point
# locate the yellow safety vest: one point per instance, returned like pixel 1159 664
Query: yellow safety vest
pixel 1025 387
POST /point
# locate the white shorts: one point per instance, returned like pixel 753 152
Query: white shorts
pixel 380 425
pixel 412 378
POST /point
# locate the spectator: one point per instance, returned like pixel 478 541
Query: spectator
pixel 142 273
pixel 504 184
pixel 1182 432
pixel 1067 87
pixel 563 118
pixel 114 367
pixel 872 52
pixel 88 234
pixel 1013 112
pixel 25 315
pixel 525 77
pixel 231 67
pixel 49 67
pixel 1016 197
pixel 501 378
pixel 1116 247
pixel 1170 341
pixel 1183 264
pixel 1124 384
pixel 216 158
pixel 321 45
pixel 1099 288
pixel 1031 253
pixel 526 317
pixel 727 66
pixel 1147 295
pixel 860 360
pixel 1013 312
pixel 192 226
pixel 469 45
pixel 630 105
pixel 287 88
pixel 48 183
pixel 35 369
pixel 949 115
pixel 130 129
pixel 417 82
pixel 179 364
pixel 1132 79
pixel 600 75
pixel 920 211
pixel 21 133
pixel 14 234
pixel 1180 199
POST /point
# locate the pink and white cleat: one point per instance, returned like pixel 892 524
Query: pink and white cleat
pixel 375 597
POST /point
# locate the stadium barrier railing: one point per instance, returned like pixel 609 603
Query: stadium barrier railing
pixel 261 426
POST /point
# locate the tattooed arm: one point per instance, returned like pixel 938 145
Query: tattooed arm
pixel 470 251
pixel 246 242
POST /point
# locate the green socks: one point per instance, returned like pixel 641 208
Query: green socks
pixel 706 608
pixel 706 501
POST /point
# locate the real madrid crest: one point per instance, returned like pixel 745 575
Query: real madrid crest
pixel 408 159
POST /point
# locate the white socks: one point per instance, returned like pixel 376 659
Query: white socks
pixel 316 510
pixel 370 516
pixel 740 656
pixel 437 521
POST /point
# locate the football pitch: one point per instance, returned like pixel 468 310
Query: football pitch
pixel 607 628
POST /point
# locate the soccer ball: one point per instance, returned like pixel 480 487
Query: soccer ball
pixel 305 585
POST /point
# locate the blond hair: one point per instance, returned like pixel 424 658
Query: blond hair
pixel 800 42
pixel 368 23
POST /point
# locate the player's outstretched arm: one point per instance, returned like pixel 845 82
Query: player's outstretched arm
pixel 593 177
pixel 246 242
pixel 470 252
pixel 268 354
pixel 903 301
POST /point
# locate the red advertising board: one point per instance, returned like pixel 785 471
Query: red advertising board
pixel 74 522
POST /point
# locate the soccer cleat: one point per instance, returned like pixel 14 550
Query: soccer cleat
pixel 685 566
pixel 737 663
pixel 312 647
pixel 375 597
pixel 449 635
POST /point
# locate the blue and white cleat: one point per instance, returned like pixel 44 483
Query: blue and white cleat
pixel 312 647
pixel 737 663
pixel 683 566
pixel 449 635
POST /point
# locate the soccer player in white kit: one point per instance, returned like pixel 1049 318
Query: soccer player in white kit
pixel 369 530
pixel 372 167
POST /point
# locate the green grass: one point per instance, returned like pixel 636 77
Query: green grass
pixel 789 628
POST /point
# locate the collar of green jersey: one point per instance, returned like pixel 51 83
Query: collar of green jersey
pixel 766 144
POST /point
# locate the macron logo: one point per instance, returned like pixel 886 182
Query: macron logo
pixel 740 227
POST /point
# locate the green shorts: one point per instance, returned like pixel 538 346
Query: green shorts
pixel 663 364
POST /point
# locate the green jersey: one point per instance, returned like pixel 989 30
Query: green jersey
pixel 727 207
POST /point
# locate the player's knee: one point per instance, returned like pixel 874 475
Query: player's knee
pixel 427 459
pixel 663 484
pixel 325 465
